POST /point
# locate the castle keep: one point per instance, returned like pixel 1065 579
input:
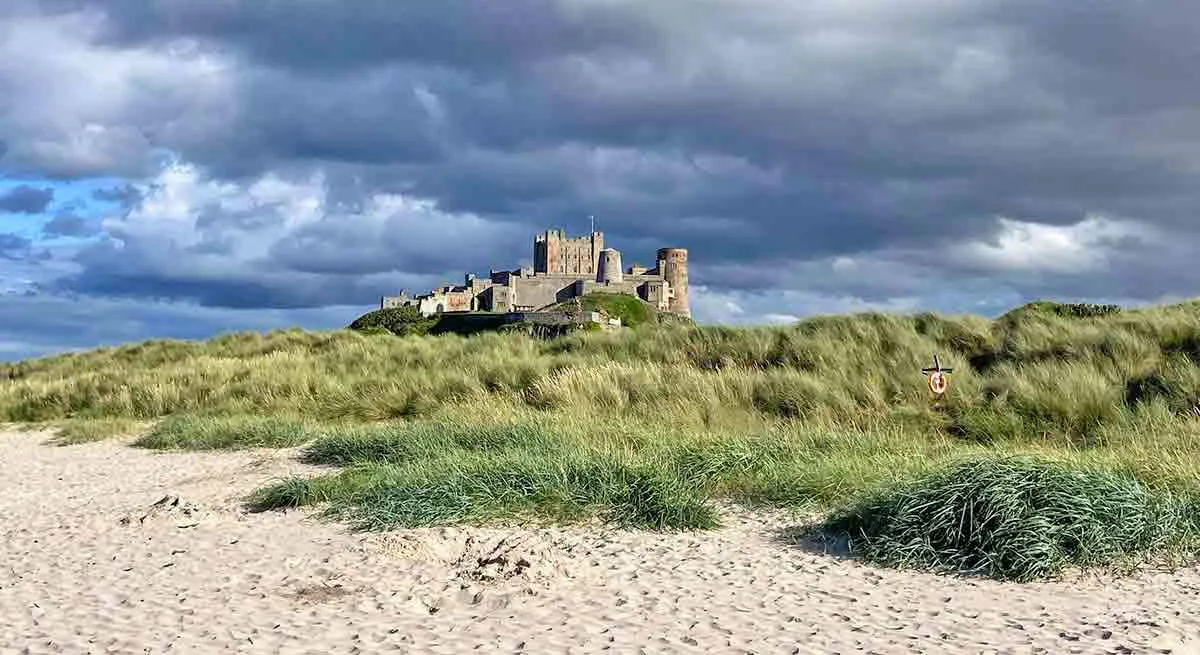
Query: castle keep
pixel 563 268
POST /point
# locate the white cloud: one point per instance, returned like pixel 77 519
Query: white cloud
pixel 284 240
pixel 431 103
pixel 843 264
pixel 72 106
pixel 1065 249
pixel 181 210
pixel 781 305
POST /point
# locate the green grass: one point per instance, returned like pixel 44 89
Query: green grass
pixel 429 473
pixel 78 431
pixel 406 442
pixel 400 321
pixel 817 415
pixel 186 432
pixel 633 311
pixel 475 489
pixel 1019 519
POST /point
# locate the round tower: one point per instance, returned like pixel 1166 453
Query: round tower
pixel 610 267
pixel 673 265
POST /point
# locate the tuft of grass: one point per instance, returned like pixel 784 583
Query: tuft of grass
pixel 83 430
pixel 294 492
pixel 188 432
pixel 436 473
pixel 1014 518
pixel 485 488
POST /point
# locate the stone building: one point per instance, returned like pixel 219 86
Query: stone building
pixel 563 268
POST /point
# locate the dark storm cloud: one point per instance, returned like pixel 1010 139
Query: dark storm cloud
pixel 25 199
pixel 125 196
pixel 69 225
pixel 45 324
pixel 126 272
pixel 323 35
pixel 864 150
pixel 981 104
pixel 246 287
pixel 424 245
pixel 14 247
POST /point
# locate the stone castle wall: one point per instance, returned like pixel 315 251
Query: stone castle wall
pixel 563 269
pixel 555 253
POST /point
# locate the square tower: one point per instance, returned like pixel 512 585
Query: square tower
pixel 555 253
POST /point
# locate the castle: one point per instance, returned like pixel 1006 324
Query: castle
pixel 563 268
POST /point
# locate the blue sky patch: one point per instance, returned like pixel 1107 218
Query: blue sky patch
pixel 84 199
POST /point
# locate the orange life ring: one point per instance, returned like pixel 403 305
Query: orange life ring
pixel 938 382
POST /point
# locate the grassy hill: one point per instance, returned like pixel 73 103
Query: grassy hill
pixel 633 311
pixel 650 427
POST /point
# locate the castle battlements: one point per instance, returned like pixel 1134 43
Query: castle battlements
pixel 563 268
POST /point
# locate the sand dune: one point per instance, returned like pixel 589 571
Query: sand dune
pixel 95 563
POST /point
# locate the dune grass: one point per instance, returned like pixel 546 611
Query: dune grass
pixel 187 432
pixel 1019 519
pixel 1031 373
pixel 651 426
pixel 430 473
pixel 508 486
pixel 72 432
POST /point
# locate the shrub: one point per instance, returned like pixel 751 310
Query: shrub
pixel 1065 310
pixel 1018 518
pixel 401 321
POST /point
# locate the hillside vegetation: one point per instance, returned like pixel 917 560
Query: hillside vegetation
pixel 407 321
pixel 649 427
pixel 633 311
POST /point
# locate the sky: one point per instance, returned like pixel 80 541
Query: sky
pixel 179 169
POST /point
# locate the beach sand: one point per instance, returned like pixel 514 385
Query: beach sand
pixel 92 565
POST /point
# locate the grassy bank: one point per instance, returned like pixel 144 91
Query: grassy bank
pixel 648 427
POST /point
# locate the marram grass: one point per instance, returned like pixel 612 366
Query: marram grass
pixel 650 426
pixel 1034 373
pixel 188 432
pixel 410 474
pixel 1019 519
pixel 407 442
pixel 78 431
pixel 391 483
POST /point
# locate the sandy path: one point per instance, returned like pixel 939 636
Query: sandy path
pixel 84 572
